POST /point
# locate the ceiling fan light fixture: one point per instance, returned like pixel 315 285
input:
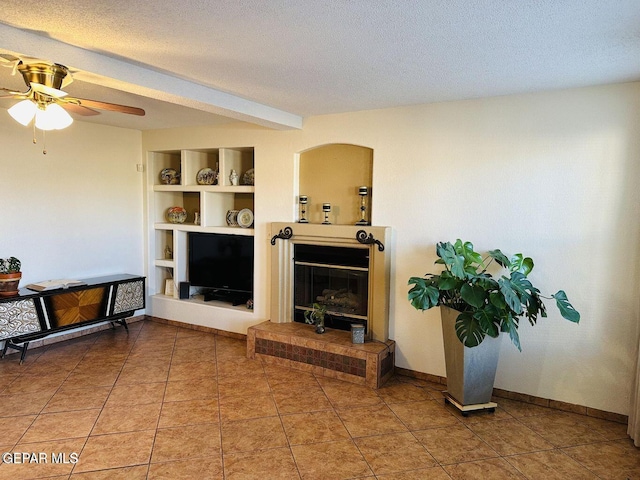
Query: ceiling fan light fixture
pixel 23 112
pixel 52 117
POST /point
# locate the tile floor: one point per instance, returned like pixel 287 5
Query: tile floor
pixel 170 403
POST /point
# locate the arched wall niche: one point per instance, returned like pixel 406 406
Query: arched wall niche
pixel 332 174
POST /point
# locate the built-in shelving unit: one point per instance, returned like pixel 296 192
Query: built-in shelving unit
pixel 168 256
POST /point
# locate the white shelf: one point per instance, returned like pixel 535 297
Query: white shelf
pixel 190 227
pixel 164 263
pixel 198 300
pixel 205 188
pixel 212 203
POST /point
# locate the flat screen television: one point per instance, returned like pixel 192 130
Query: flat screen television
pixel 223 265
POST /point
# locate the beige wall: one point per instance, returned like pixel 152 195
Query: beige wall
pixel 75 212
pixel 553 175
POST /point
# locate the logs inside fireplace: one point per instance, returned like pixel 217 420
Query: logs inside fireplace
pixel 336 277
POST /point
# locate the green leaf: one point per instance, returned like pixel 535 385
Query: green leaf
pixel 523 286
pixel 510 326
pixel 515 338
pixel 486 282
pixel 446 281
pixel 566 309
pixel 488 320
pixel 422 296
pixel 521 264
pixel 500 257
pixel 535 307
pixel 471 271
pixel 454 261
pixel 473 295
pixel 471 257
pixel 307 317
pixel 468 330
pixel 510 294
pixel 497 300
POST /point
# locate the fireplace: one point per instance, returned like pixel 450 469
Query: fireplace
pixel 336 277
pixel 346 268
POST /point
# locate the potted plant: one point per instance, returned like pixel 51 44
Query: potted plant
pixel 10 276
pixel 476 308
pixel 316 316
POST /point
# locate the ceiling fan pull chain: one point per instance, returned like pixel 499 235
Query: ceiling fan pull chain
pixel 44 139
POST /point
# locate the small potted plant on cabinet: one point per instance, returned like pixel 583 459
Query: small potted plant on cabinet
pixel 476 307
pixel 10 276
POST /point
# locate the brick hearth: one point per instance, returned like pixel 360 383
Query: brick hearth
pixel 331 354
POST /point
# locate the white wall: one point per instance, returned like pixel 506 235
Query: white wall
pixel 552 175
pixel 77 211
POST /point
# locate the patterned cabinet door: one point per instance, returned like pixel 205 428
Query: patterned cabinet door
pixel 129 297
pixel 17 318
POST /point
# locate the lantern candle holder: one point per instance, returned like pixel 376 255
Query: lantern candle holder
pixel 326 208
pixel 357 333
pixel 364 193
pixel 302 200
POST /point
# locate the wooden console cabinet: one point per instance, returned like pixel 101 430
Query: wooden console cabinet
pixel 33 315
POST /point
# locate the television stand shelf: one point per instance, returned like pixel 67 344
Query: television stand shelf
pixel 234 299
pixel 33 315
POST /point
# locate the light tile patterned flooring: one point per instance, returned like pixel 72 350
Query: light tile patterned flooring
pixel 170 403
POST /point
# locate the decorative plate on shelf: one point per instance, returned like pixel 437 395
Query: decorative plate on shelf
pixel 206 176
pixel 245 218
pixel 169 176
pixel 232 218
pixel 249 177
pixel 177 215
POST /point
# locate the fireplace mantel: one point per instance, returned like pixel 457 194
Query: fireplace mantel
pixel 284 237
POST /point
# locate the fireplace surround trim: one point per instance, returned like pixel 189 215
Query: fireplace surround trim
pixel 282 268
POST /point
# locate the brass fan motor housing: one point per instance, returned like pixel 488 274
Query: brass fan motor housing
pixel 45 82
pixel 49 75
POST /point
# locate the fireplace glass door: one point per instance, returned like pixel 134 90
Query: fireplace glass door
pixel 337 277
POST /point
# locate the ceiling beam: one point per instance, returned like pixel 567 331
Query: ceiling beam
pixel 120 75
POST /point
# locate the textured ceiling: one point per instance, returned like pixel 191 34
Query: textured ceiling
pixel 306 57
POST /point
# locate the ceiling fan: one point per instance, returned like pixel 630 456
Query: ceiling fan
pixel 45 100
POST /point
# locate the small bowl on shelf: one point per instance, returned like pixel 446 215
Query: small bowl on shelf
pixel 176 215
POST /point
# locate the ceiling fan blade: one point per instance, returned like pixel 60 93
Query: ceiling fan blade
pixel 114 107
pixel 50 91
pixel 79 109
pixel 7 57
pixel 5 92
pixel 10 57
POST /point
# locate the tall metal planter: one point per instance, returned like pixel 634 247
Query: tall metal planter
pixel 471 372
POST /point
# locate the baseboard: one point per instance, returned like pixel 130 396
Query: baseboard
pixel 427 377
pixel 521 397
pixel 199 328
